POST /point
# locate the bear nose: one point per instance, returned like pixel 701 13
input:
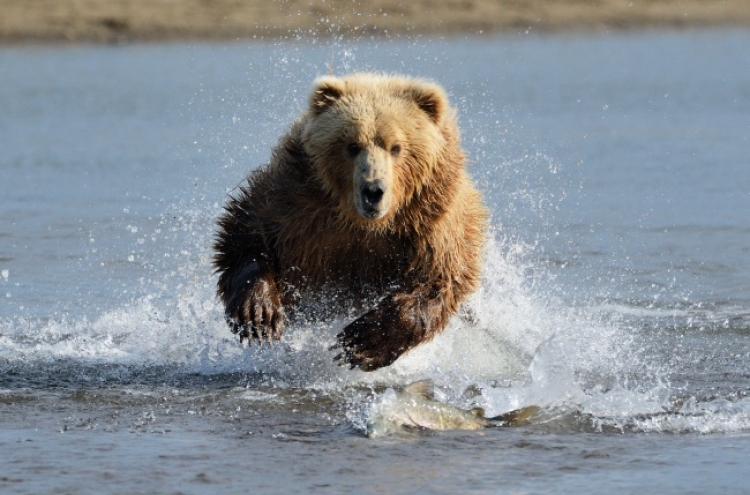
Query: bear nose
pixel 372 193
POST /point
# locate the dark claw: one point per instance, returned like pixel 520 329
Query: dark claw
pixel 256 314
pixel 377 338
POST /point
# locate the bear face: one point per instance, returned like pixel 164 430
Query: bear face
pixel 374 141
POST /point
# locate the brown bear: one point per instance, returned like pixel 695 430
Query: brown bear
pixel 365 197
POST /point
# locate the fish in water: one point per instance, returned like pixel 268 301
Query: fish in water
pixel 415 407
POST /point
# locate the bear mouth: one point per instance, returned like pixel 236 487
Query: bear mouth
pixel 371 212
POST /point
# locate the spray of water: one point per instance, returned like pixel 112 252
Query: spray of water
pixel 513 342
pixel 516 342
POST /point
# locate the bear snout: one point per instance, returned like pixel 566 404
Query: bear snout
pixel 372 183
pixel 372 194
pixel 372 199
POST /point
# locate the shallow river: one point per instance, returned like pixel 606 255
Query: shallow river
pixel 616 293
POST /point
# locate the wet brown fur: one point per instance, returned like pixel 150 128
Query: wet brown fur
pixel 293 229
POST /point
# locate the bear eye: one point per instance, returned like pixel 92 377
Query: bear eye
pixel 395 149
pixel 353 149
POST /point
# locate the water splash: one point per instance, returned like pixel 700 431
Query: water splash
pixel 519 340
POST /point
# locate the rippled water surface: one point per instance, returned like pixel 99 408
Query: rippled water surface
pixel 615 294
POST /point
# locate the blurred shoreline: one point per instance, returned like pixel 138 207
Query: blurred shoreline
pixel 122 21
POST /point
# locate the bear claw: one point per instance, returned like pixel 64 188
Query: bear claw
pixel 371 341
pixel 261 317
pixel 380 336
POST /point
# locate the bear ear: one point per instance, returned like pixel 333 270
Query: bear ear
pixel 326 90
pixel 431 99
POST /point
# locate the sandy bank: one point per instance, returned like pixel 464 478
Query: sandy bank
pixel 132 20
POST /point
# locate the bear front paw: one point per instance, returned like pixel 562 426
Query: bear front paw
pixel 258 314
pixel 377 338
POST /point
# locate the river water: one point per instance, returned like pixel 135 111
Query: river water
pixel 616 292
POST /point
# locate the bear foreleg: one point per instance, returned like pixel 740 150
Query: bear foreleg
pixel 253 305
pixel 398 323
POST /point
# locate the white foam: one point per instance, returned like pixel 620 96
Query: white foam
pixel 514 342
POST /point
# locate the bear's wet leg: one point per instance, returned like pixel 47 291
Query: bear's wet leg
pixel 395 325
pixel 253 305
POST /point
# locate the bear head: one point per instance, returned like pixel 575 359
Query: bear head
pixel 374 141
